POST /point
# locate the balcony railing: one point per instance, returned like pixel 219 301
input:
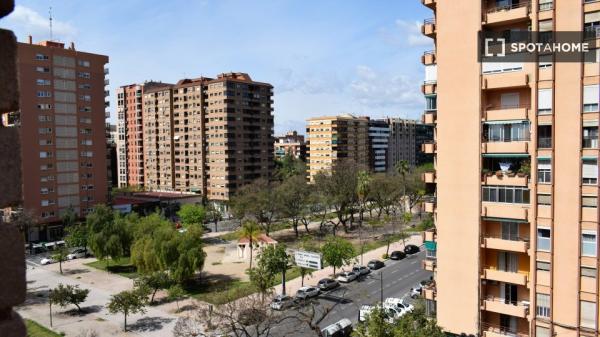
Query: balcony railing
pixel 490 330
pixel 545 142
pixel 430 21
pixel 591 32
pixel 508 7
pixel 502 306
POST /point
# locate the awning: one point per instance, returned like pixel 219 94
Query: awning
pixel 589 158
pixel 544 157
pixel 505 155
pixel 504 220
pixel 512 121
pixel 430 245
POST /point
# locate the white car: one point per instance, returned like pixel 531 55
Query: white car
pixel 390 314
pixel 307 292
pixel 77 253
pixel 281 302
pixel 47 260
pixel 347 276
pixel 416 291
pixel 361 270
pixel 398 304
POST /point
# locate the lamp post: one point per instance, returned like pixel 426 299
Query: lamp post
pixel 50 302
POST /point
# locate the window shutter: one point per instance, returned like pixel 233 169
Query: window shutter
pixel 591 94
pixel 545 99
pixel 588 314
pixel 545 1
pixel 592 17
pixel 590 123
pixel 510 100
pixel 544 164
pixel 545 26
pixel 590 169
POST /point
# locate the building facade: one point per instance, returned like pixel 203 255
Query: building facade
pixel 63 133
pixel 379 134
pixel 515 245
pixel 331 139
pixel 290 144
pixel 423 135
pixel 402 142
pixel 208 136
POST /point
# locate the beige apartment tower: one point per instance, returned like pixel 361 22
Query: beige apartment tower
pixel 515 250
pixel 331 139
pixel 208 136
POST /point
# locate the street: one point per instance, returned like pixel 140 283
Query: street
pixel 398 278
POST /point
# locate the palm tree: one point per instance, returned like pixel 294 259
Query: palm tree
pixel 251 231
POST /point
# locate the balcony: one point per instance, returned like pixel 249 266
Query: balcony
pixel 429 205
pixel 429 117
pixel 428 148
pixel 490 273
pixel 503 114
pixel 428 58
pixel 429 3
pixel 428 265
pixel 506 79
pixel 429 88
pixel 429 293
pixel 505 179
pixel 507 14
pixel 428 28
pixel 505 147
pixel 516 244
pixel 428 177
pixel 505 211
pixel 492 330
pixel 429 235
pixel 498 305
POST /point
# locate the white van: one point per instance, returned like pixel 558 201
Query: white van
pixel 342 328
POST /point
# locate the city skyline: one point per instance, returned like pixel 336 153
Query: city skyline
pixel 325 68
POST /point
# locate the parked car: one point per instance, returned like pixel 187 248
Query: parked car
pixel 77 253
pixel 281 302
pixel 375 264
pixel 417 291
pixel 411 249
pixel 397 255
pixel 327 284
pixel 361 270
pixel 341 328
pixel 390 314
pixel 307 292
pixel 347 276
pixel 399 304
pixel 47 260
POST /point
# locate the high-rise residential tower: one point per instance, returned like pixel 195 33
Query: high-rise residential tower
pixel 515 250
pixel 379 134
pixel 63 132
pixel 331 139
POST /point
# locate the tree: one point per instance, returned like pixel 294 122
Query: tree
pixel 213 214
pixel 261 278
pixel 154 282
pixel 289 166
pixel 24 219
pixel 251 232
pixel 338 252
pixel 256 201
pixel 69 217
pixel 77 236
pixel 176 293
pixel 191 214
pixel 276 260
pixel 60 256
pixel 383 193
pixel 293 196
pixel 127 302
pixel 375 325
pixel 69 294
pixel 362 191
pixel 109 233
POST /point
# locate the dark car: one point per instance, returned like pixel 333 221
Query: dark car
pixel 375 264
pixel 411 249
pixel 327 284
pixel 397 255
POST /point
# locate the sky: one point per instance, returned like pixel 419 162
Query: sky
pixel 323 57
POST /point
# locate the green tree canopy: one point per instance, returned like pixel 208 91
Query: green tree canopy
pixel 109 233
pixel 261 278
pixel 293 197
pixel 191 214
pixel 127 302
pixel 154 282
pixel 69 294
pixel 257 201
pixel 250 231
pixel 289 166
pixel 276 260
pixel 77 235
pixel 338 252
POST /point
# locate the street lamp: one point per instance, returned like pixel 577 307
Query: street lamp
pixel 50 302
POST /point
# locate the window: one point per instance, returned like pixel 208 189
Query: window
pixel 588 272
pixel 83 74
pixel 542 266
pixel 47 214
pixel 41 57
pixel 543 239
pixel 45 154
pixel 40 81
pixel 588 243
pixel 44 94
pixel 44 106
pixel 85 109
pixel 589 172
pixel 83 63
pixel 590 137
pixel 431 102
pixel 591 26
pixel 544 136
pixel 592 56
pixel 509 100
pixel 544 171
pixel 45 142
pixel 85 86
pixel 541 331
pixel 85 120
pixel 542 305
pixel 507 132
pixel 545 61
pixel 544 199
pixel 545 5
pixel 506 194
pixel 591 96
pixel 589 201
pixel 42 69
pixel 544 101
pixel 85 98
pixel 587 318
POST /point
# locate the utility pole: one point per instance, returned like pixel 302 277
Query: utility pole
pixel 50 302
pixel 381 285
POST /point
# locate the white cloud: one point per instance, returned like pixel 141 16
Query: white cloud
pixel 25 20
pixel 383 90
pixel 412 33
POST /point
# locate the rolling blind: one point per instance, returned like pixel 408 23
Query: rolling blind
pixel 545 99
pixel 591 94
pixel 590 169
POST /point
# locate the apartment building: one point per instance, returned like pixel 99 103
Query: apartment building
pixel 208 136
pixel 335 138
pixel 290 144
pixel 406 137
pixel 111 156
pixel 379 134
pixel 515 249
pixel 63 136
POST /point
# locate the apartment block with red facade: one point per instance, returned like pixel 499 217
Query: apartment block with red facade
pixel 62 119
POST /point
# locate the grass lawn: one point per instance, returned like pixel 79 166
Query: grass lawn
pixel 36 330
pixel 220 292
pixel 121 267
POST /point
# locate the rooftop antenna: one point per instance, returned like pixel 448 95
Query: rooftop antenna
pixel 50 17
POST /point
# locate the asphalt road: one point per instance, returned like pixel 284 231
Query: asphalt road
pixel 398 278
